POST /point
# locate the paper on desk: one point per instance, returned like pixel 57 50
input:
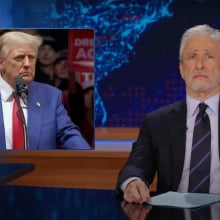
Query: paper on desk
pixel 184 200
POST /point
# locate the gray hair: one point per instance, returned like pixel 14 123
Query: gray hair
pixel 195 31
pixel 9 38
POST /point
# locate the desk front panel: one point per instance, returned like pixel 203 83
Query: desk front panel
pixel 44 203
pixel 80 169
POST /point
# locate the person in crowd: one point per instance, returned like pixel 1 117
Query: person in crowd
pixel 73 96
pixel 78 113
pixel 61 76
pixel 48 124
pixel 180 142
pixel 60 70
pixel 44 64
pixel 88 90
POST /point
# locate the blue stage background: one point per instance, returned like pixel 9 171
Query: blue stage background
pixel 136 47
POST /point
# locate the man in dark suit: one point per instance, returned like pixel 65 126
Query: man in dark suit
pixel 48 124
pixel 165 139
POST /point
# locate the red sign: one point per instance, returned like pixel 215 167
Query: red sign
pixel 81 50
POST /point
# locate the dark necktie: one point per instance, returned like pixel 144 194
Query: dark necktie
pixel 199 177
pixel 17 129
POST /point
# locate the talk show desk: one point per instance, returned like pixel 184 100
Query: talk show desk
pixel 55 203
pixel 72 185
pixel 89 169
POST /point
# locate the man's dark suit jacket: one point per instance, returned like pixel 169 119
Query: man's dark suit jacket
pixel 160 147
pixel 48 121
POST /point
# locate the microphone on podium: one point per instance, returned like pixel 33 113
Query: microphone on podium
pixel 21 90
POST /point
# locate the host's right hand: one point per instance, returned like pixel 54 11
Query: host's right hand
pixel 137 192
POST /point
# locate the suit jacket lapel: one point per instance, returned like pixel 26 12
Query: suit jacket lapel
pixel 34 117
pixel 177 126
pixel 2 128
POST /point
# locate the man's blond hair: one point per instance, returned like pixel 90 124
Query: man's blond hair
pixel 18 37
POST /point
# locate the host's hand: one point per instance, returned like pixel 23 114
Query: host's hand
pixel 137 191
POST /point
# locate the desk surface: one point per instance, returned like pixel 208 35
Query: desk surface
pixel 11 171
pixel 19 202
pixel 44 203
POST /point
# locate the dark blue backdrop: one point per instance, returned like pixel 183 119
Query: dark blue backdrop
pixel 136 45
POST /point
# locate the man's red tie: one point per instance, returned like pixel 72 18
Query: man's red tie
pixel 17 129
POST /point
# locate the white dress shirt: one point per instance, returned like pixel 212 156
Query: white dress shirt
pixel 213 112
pixel 7 106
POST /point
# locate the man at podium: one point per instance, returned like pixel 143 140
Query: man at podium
pixel 32 115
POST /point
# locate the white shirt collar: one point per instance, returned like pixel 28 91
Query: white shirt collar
pixel 5 90
pixel 212 102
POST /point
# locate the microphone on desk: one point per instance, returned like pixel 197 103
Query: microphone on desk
pixel 21 90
